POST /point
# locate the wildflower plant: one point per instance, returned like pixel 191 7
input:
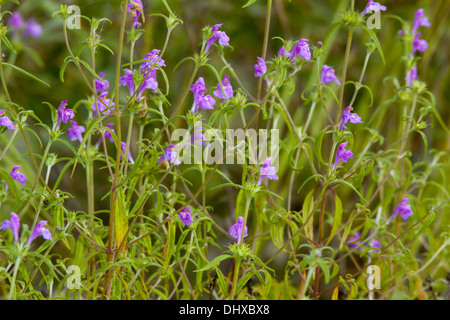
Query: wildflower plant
pixel 177 155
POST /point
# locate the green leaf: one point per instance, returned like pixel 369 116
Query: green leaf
pixel 249 3
pixel 337 218
pixel 354 189
pixel 214 262
pixel 425 143
pixel 330 31
pixel 25 73
pixel 243 281
pixel 170 244
pixel 240 203
pixel 307 209
pixel 6 42
pixel 318 146
pixel 121 220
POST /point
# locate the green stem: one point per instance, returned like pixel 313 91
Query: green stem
pixel 12 289
pixel 237 265
pixel 307 281
pixel 265 43
pixel 344 71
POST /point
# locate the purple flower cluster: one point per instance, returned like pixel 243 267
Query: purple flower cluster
pixel 6 121
pixel 185 216
pixel 101 85
pixel 102 105
pixel 64 114
pixel 327 75
pixel 403 209
pixel 136 9
pixel 354 242
pixel 267 171
pixel 227 89
pixel 14 224
pixel 170 155
pixel 201 100
pixel 152 61
pixel 198 136
pixel 342 154
pixel 217 35
pixel 124 149
pixel 420 20
pixel 30 28
pixel 75 132
pixel 301 48
pixel 347 116
pixel 373 6
pixel 260 67
pixel 17 175
pixel 411 75
pixel 236 230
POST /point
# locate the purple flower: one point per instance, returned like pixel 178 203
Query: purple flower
pixel 404 209
pixel 185 216
pixel 103 105
pixel 374 243
pixel 136 9
pixel 17 175
pixel 227 89
pixel 420 21
pixel 327 76
pixel 14 224
pixel 236 230
pixel 170 155
pixel 411 75
pixel 198 87
pixel 101 86
pixel 373 6
pixel 342 154
pixel 260 67
pixel 108 134
pixel 64 114
pixel 75 132
pixel 347 116
pixel 127 80
pixel 267 171
pixel 124 147
pixel 149 83
pixel 39 230
pixel 16 20
pixel 419 44
pixel 200 100
pixel 221 35
pixel 354 240
pixel 300 49
pixel 198 136
pixel 154 60
pixel 33 29
pixel 6 121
